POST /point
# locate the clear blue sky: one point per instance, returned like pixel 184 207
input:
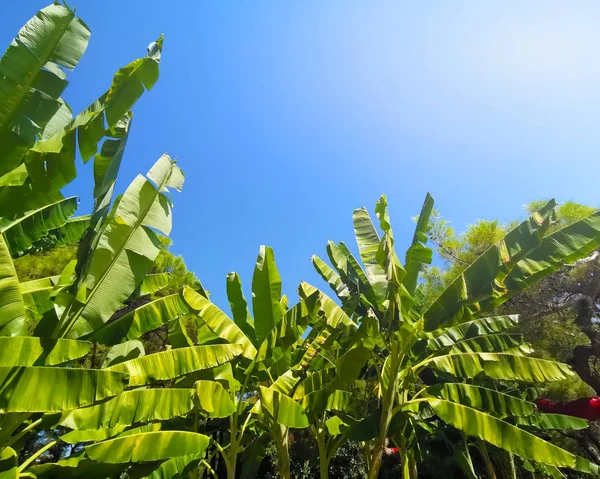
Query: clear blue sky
pixel 285 116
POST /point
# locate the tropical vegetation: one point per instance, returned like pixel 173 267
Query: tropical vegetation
pixel 115 363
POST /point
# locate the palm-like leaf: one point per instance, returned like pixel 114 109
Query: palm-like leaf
pixel 131 407
pixel 22 233
pixel 175 363
pixel 484 277
pixel 29 351
pixel 218 321
pixel 12 309
pixel 141 320
pixel 506 436
pixel 501 366
pixel 139 448
pixel 266 297
pixel 54 389
pixel 418 256
pixel 494 402
pixel 126 249
pixel 32 79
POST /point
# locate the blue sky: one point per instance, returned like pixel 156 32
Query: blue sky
pixel 285 116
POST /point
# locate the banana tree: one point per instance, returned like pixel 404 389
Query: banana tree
pixel 39 137
pixel 273 359
pixel 428 360
pixel 39 375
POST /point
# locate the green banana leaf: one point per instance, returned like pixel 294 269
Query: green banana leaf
pixel 557 249
pixel 124 352
pixel 351 363
pixel 9 464
pixel 110 109
pixel 50 164
pixel 368 242
pixel 506 436
pixel 40 284
pixel 321 401
pixel 552 421
pixel 286 382
pixel 493 343
pixel 175 363
pixel 178 335
pixel 110 457
pixel 88 435
pixel 127 247
pixel 12 309
pixel 386 254
pixel 212 398
pixel 22 233
pixel 150 446
pixel 418 256
pixel 54 389
pixel 108 161
pixel 319 304
pixel 141 320
pixel 283 409
pixel 355 274
pixel 177 467
pixel 337 425
pixel 494 402
pixel 131 407
pixel 483 278
pixel 36 295
pixel 332 278
pixel 77 465
pixel 284 334
pixel 154 282
pixel 471 329
pixel 501 366
pixel 32 80
pixel 218 322
pixel 31 351
pixel 69 233
pixel 130 81
pixel 266 294
pixel 239 307
pixel 316 381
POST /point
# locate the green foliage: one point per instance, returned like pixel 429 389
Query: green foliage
pixel 114 361
pixel 418 345
pixel 44 264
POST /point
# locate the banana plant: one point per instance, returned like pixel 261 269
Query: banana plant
pixel 40 376
pixel 428 360
pixel 255 391
pixel 115 407
pixel 39 136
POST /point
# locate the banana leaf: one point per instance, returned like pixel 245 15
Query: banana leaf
pixel 218 322
pixel 54 389
pixel 494 402
pixel 368 242
pixel 501 366
pixel 32 351
pixel 484 278
pixel 175 363
pixel 266 294
pixel 131 407
pixel 418 256
pixel 506 436
pixel 212 398
pixel 141 320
